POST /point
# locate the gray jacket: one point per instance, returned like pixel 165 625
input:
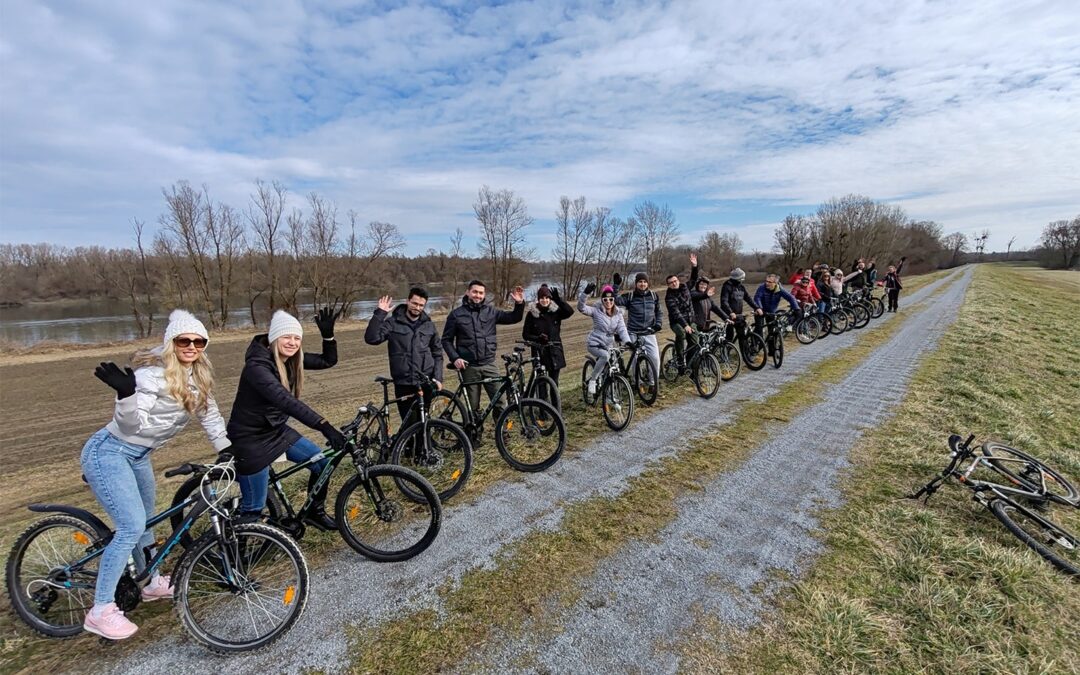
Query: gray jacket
pixel 151 416
pixel 604 327
pixel 643 313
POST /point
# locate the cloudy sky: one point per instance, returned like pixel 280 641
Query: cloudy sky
pixel 735 114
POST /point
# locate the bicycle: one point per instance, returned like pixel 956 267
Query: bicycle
pixel 540 385
pixel 726 353
pixel 1021 504
pixel 530 433
pixel 751 345
pixel 369 517
pixel 239 587
pixel 639 370
pixel 807 325
pixel 859 315
pixel 774 325
pixel 702 364
pixel 613 389
pixel 874 303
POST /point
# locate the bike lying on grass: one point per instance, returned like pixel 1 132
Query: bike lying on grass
pixel 385 512
pixel 236 588
pixel 1022 504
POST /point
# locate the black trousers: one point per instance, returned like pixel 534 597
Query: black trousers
pixel 404 406
pixel 894 296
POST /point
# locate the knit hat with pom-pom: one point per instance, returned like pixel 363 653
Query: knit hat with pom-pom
pixel 181 322
pixel 284 323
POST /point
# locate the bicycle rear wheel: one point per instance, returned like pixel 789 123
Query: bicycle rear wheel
pixel 824 325
pixel 586 371
pixel 669 369
pixel 838 319
pixel 241 592
pixel 617 397
pixel 806 329
pixel 777 351
pixel 39 571
pixel 530 435
pixel 877 307
pixel 646 380
pixel 706 375
pixel 545 389
pixel 727 355
pixel 753 351
pixel 440 452
pixel 1029 472
pixel 862 316
pixel 1053 542
pixel 378 523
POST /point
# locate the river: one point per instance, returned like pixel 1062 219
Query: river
pixel 94 321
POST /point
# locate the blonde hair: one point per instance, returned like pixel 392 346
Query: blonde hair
pixel 290 370
pixel 177 376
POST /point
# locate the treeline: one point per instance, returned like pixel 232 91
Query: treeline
pixel 1060 244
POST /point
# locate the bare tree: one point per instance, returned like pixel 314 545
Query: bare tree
pixel 609 235
pixel 145 281
pixel 1008 248
pixel 265 217
pixel 503 219
pixel 956 243
pixel 1061 239
pixel 717 253
pixel 575 243
pixel 457 253
pixel 658 233
pixel 793 242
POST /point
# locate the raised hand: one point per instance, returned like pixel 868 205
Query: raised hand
pixel 712 291
pixel 325 321
pixel 518 295
pixel 589 288
pixel 693 259
pixel 122 381
pixel 385 303
pixel 554 293
pixel 617 278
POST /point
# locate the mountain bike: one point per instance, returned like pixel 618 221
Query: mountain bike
pixel 237 588
pixel 726 353
pixel 751 345
pixel 874 303
pixel 858 313
pixel 385 512
pixel 806 323
pixel 530 433
pixel 636 368
pixel 613 389
pixel 840 318
pixel 539 385
pixel 774 324
pixel 702 364
pixel 1021 501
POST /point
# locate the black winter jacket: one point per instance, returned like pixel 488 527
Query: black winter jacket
pixel 470 331
pixel 258 425
pixel 539 321
pixel 680 306
pixel 413 346
pixel 732 295
pixel 703 306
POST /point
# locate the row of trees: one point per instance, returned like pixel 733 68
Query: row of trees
pixel 1061 244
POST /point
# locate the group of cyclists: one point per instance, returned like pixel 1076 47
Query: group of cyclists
pixel 164 387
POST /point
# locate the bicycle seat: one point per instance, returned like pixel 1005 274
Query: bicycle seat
pixel 383 380
pixel 507 358
pixel 519 350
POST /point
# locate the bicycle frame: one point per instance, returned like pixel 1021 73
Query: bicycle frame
pixel 961 453
pixel 507 388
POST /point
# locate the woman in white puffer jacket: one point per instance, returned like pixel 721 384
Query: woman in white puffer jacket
pixel 608 324
pixel 170 384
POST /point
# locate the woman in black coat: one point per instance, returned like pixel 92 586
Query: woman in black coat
pixel 543 324
pixel 267 396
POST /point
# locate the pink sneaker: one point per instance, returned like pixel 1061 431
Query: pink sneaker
pixel 158 588
pixel 109 623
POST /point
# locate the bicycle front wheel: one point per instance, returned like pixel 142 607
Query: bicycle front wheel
pixel 47 592
pixel 706 375
pixel 877 308
pixel 669 368
pixel 618 402
pixel 243 591
pixel 727 355
pixel 530 435
pixel 546 389
pixel 862 316
pixel 754 351
pixel 807 329
pixel 440 452
pixel 824 325
pixel 586 372
pixel 777 351
pixel 1057 545
pixel 838 319
pixel 377 522
pixel 1027 471
pixel 646 380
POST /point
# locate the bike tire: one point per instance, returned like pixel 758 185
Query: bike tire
pixel 1054 543
pixel 522 437
pixel 69 539
pixel 778 352
pixel 877 308
pixel 839 320
pixel 753 351
pixel 617 402
pixel 861 317
pixel 1007 461
pixel 669 370
pixel 645 372
pixel 366 509
pixel 727 354
pixel 446 462
pixel 546 389
pixel 824 326
pixel 586 371
pixel 258 555
pixel 806 330
pixel 706 375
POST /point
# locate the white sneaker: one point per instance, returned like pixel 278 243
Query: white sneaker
pixel 592 387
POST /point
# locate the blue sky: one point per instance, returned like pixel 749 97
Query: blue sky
pixel 734 114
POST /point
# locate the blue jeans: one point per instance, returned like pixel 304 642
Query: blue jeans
pixel 122 480
pixel 253 486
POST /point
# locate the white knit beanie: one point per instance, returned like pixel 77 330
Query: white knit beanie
pixel 284 323
pixel 181 322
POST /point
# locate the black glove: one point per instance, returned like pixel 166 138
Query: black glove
pixel 554 294
pixel 617 278
pixel 325 321
pixel 334 437
pixel 543 338
pixel 589 288
pixel 225 456
pixel 903 258
pixel 123 381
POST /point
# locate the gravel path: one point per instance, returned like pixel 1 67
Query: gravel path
pixel 733 535
pixel 350 590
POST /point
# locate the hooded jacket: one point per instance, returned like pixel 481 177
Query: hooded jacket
pixel 680 305
pixel 151 416
pixel 469 332
pixel 540 321
pixel 605 327
pixel 892 279
pixel 643 312
pixel 732 295
pixel 258 426
pixel 807 293
pixel 703 305
pixel 413 346
pixel 769 301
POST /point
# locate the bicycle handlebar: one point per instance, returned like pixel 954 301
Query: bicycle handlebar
pixel 184 470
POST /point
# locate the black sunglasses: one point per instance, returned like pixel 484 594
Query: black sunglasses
pixel 200 343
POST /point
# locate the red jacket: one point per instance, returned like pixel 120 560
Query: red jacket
pixel 808 293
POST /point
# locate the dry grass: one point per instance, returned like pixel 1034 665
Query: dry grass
pixel 942 587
